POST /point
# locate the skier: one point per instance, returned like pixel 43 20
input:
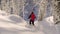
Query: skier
pixel 32 18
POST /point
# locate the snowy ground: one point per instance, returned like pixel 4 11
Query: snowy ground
pixel 13 24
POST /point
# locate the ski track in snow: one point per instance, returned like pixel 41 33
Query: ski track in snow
pixel 14 26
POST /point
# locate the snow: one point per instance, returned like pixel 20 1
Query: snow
pixel 14 24
pixel 50 20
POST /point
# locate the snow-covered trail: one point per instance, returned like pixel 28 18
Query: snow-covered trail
pixel 14 24
pixel 8 26
pixel 44 27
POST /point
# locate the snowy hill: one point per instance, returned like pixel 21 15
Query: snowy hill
pixel 14 24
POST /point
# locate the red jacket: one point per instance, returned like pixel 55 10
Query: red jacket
pixel 32 17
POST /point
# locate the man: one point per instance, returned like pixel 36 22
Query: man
pixel 32 18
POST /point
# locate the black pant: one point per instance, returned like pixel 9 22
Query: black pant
pixel 31 22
